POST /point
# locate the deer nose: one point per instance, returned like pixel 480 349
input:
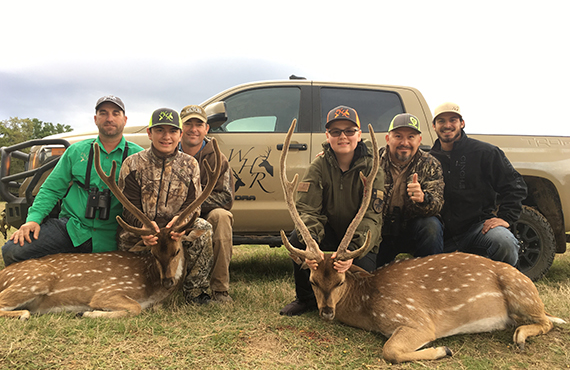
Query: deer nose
pixel 327 313
pixel 167 283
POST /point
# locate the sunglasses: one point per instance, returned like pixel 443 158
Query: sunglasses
pixel 347 132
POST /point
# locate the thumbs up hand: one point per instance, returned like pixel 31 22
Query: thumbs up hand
pixel 415 190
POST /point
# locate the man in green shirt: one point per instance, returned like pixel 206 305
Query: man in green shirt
pixel 87 221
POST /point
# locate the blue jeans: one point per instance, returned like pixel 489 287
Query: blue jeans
pixel 499 244
pixel 53 239
pixel 422 236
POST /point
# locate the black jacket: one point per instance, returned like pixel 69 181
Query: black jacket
pixel 478 178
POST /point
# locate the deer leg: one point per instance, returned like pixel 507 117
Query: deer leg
pixel 525 331
pixel 11 298
pixel 118 305
pixel 20 314
pixel 404 346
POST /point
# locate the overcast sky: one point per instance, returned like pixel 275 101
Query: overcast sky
pixel 504 62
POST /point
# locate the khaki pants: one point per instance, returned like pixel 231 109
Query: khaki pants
pixel 222 240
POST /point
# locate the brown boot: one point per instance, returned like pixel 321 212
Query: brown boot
pixel 222 297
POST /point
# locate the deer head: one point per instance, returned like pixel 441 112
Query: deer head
pixel 167 251
pixel 325 276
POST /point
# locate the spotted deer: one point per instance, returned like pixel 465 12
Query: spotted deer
pixel 111 284
pixel 416 301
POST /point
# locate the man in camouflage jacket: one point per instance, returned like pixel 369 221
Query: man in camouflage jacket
pixel 413 194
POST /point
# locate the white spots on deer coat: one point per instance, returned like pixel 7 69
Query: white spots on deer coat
pixel 458 307
pixel 365 297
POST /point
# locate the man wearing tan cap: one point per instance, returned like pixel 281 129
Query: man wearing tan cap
pixel 216 209
pixel 483 192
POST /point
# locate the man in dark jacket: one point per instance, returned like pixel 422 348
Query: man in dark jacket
pixel 329 197
pixel 483 192
pixel 413 194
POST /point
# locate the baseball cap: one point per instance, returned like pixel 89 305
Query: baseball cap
pixel 110 98
pixel 193 111
pixel 342 112
pixel 445 108
pixel 405 120
pixel 165 116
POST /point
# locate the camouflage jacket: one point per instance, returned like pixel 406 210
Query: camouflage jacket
pixel 430 176
pixel 161 187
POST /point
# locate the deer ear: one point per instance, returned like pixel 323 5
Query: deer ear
pixel 298 260
pixel 359 271
pixel 139 247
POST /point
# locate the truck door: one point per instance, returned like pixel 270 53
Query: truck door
pixel 252 137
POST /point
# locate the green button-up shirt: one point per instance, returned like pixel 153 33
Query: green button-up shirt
pixel 71 170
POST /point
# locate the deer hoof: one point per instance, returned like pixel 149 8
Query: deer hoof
pixel 25 316
pixel 448 352
pixel 79 314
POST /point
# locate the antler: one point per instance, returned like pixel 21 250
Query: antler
pixel 110 182
pixel 289 188
pixel 212 178
pixel 342 253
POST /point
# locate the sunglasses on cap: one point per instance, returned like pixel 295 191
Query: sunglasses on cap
pixel 347 132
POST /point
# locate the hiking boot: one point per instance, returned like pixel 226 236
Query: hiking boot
pixel 298 307
pixel 202 299
pixel 222 297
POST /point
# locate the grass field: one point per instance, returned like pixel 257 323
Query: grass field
pixel 250 333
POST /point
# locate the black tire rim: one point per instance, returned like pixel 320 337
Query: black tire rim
pixel 530 246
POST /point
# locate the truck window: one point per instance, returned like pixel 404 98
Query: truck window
pixel 373 106
pixel 262 110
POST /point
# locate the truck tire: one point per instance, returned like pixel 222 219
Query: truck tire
pixel 537 243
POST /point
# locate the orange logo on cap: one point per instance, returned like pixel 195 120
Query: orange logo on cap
pixel 342 112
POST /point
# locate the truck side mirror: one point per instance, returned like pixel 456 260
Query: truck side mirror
pixel 217 114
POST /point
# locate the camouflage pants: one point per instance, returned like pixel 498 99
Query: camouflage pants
pixel 199 259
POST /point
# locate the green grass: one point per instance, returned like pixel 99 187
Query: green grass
pixel 250 333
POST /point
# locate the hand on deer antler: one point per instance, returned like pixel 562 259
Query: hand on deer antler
pixel 175 235
pixel 151 239
pixel 314 264
pixel 341 266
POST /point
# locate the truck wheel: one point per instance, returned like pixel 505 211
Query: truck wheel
pixel 537 243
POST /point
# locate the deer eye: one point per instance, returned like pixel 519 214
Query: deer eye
pixel 341 283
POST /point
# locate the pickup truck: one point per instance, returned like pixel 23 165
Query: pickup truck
pixel 250 121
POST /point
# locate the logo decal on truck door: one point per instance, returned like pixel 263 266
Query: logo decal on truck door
pixel 258 167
